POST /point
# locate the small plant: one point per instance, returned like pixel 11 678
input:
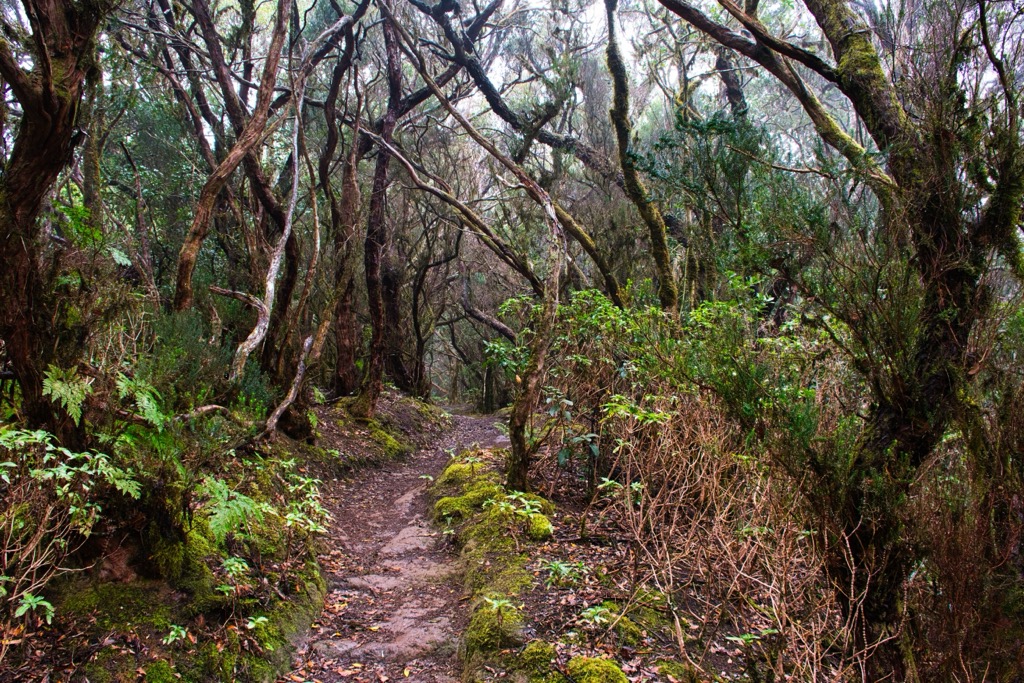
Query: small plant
pixel 595 616
pixel 503 506
pixel 501 606
pixel 34 603
pixel 305 511
pixel 253 622
pixel 609 487
pixel 176 634
pixel 563 573
pixel 524 505
pixel 68 389
pixel 750 638
pixel 235 567
pixel 229 512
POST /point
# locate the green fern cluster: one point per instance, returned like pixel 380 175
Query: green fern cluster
pixel 67 388
pixel 229 511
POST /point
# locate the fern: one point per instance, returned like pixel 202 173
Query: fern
pixel 229 511
pixel 68 389
pixel 146 398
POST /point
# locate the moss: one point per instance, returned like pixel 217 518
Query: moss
pixel 185 563
pixel 460 475
pixel 535 659
pixel 649 610
pixel 471 501
pixel 538 527
pixel 210 663
pixel 457 474
pixel 160 672
pixel 628 632
pixel 491 629
pixel 119 606
pixel 546 506
pixel 593 670
pixel 111 666
pixel 391 445
pixel 498 574
pixel 681 673
pixel 490 539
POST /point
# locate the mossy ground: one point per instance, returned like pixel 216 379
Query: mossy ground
pixel 492 530
pixel 402 423
pixel 594 670
pixel 682 673
pixel 239 628
pixel 558 591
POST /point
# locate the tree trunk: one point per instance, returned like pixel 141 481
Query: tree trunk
pixel 668 292
pixel 31 323
pixel 529 395
pixel 391 291
pixel 377 241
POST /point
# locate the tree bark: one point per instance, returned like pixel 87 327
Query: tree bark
pixel 377 238
pixel 250 135
pixel 668 292
pixel 49 95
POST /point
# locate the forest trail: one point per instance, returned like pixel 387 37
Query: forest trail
pixel 393 594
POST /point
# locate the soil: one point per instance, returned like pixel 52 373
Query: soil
pixel 393 607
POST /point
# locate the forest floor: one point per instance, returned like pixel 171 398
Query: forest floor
pixel 393 609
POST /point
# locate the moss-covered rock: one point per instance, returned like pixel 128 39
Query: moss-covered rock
pixel 594 670
pixel 469 502
pixel 120 606
pixel 535 659
pixel 491 529
pixel 185 563
pixel 491 629
pixel 677 671
pixel 543 504
pixel 160 672
pixel 538 527
pixel 391 444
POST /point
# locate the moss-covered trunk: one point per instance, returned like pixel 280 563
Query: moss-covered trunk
pixel 31 316
pixel 668 292
pixel 377 240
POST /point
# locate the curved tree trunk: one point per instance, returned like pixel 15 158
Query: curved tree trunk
pixel 49 95
pixel 668 292
pixel 250 135
pixel 377 240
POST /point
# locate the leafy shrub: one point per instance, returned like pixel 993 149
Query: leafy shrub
pixel 50 500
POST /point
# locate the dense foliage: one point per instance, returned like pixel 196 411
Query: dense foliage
pixel 747 273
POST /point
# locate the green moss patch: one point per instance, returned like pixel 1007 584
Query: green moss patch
pixel 539 527
pixel 120 606
pixel 474 496
pixel 594 670
pixel 392 445
pixel 400 425
pixel 535 659
pixel 492 629
pixel 492 529
pixel 677 671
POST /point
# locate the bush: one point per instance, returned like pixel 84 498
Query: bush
pixel 50 500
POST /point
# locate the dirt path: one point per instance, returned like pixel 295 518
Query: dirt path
pixel 393 596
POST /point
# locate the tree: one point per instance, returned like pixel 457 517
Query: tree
pixel 952 215
pixel 46 71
